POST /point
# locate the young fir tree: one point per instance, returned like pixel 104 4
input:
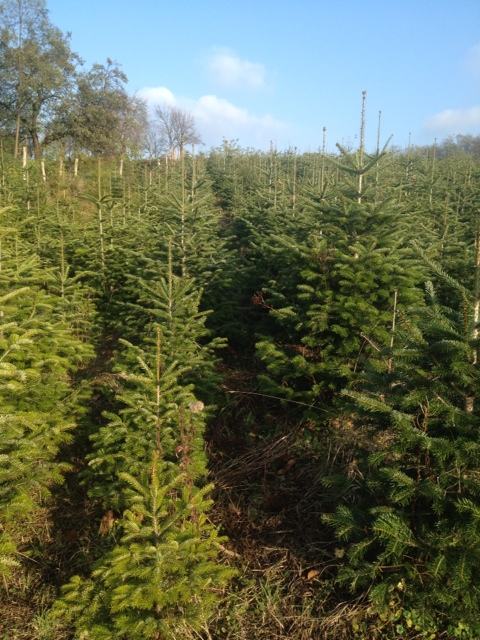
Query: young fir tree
pixel 39 354
pixel 175 303
pixel 151 390
pixel 174 325
pixel 182 213
pixel 196 231
pixel 409 520
pixel 163 576
pixel 335 305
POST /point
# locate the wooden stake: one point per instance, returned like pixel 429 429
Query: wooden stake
pixel 324 146
pixel 100 214
pixel 378 153
pixel 158 369
pixel 392 333
pixel 361 151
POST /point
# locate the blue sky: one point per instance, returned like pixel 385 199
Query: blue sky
pixel 282 69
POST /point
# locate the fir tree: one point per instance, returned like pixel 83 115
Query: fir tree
pixel 410 525
pixel 163 577
pixel 39 353
pixel 336 304
pixel 152 399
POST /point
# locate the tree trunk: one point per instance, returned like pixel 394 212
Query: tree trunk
pixel 37 147
pixel 17 136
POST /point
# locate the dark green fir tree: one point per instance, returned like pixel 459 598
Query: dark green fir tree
pixel 409 519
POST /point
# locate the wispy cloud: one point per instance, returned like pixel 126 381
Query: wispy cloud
pixel 218 118
pixel 230 70
pixel 456 121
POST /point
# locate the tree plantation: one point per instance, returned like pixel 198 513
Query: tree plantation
pixel 240 390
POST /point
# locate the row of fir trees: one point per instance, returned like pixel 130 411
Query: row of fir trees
pixel 300 328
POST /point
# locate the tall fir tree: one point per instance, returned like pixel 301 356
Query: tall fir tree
pixel 337 302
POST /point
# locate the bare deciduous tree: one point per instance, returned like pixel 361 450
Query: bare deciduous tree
pixel 177 128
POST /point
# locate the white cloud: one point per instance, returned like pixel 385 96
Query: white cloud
pixel 229 70
pixel 456 121
pixel 157 95
pixel 218 118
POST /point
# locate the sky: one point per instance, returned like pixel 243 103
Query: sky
pixel 264 71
